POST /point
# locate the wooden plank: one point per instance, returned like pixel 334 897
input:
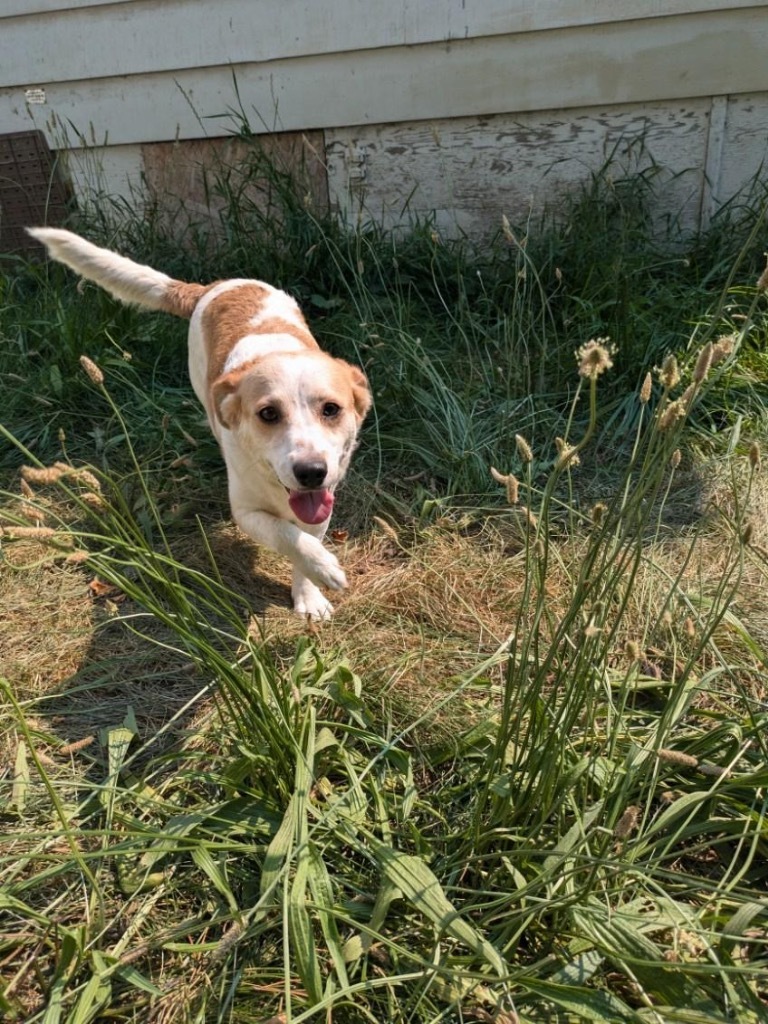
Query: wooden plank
pixel 473 170
pixel 638 61
pixel 713 161
pixel 745 146
pixel 183 177
pixel 17 8
pixel 143 36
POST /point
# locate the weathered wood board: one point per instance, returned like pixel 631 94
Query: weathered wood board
pixel 473 170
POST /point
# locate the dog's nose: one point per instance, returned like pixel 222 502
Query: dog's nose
pixel 310 474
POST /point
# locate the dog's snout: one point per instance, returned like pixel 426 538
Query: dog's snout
pixel 310 474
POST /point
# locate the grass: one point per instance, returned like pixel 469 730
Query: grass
pixel 521 775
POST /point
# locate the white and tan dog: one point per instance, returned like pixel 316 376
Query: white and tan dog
pixel 285 414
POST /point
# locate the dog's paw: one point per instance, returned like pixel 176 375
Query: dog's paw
pixel 310 602
pixel 322 567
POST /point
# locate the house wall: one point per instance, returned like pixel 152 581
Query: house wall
pixel 472 108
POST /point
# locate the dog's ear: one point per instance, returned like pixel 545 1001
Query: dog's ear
pixel 226 400
pixel 361 392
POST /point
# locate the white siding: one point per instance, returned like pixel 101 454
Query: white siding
pixel 79 41
pixel 669 58
pixel 524 96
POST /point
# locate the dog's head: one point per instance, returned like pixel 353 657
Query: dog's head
pixel 298 414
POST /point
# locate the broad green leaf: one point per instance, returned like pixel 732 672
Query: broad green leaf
pixel 735 928
pixel 202 857
pixel 279 850
pixel 422 889
pixel 597 1005
pixel 357 945
pixel 118 741
pixel 322 893
pixel 688 802
pixel 571 838
pixel 300 930
pixel 137 979
pixel 21 778
pixel 91 1001
pixel 579 970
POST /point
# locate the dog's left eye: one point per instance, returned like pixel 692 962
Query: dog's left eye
pixel 269 414
pixel 331 409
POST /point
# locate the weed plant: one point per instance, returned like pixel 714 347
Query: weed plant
pixel 563 818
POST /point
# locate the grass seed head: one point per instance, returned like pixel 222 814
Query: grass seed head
pixel 632 650
pixel 677 757
pixel 703 363
pixel 674 459
pixel 92 370
pixel 762 281
pixel 645 390
pixel 669 417
pixel 530 518
pixel 627 822
pixel 723 348
pixel 595 357
pixel 755 460
pixel 32 532
pixel 509 482
pixel 598 512
pixel 94 501
pixel 567 455
pixel 669 374
pixel 41 475
pixel 523 449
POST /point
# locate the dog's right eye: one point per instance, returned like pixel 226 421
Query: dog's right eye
pixel 269 414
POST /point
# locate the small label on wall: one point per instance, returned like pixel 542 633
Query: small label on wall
pixel 34 95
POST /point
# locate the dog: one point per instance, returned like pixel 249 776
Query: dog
pixel 286 414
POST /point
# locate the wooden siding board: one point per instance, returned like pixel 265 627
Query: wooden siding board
pixel 31 8
pixel 142 36
pixel 745 145
pixel 470 171
pixel 639 61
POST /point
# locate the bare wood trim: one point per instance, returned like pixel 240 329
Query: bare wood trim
pixel 710 193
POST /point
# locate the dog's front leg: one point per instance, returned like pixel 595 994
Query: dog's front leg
pixel 313 564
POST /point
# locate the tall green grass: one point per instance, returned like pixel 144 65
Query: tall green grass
pixel 592 844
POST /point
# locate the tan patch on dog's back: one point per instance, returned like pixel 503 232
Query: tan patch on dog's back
pixel 235 314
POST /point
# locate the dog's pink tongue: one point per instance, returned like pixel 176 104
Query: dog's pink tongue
pixel 311 507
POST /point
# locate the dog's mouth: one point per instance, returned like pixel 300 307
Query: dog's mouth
pixel 311 507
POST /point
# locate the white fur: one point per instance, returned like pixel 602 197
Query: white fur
pixel 254 345
pixel 261 464
pixel 128 281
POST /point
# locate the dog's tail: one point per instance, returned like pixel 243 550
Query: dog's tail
pixel 128 281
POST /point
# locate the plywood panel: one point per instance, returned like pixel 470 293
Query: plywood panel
pixel 639 61
pixel 471 171
pixel 195 180
pixel 144 36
